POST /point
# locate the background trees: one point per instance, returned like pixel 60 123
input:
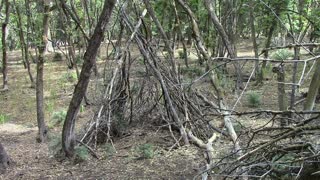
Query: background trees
pixel 181 64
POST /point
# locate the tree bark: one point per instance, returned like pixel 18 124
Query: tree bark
pixel 225 39
pixel 163 34
pixel 4 46
pixel 68 136
pixel 196 31
pixel 24 46
pixel 313 89
pixel 254 40
pixel 282 98
pixel 219 28
pixel 42 135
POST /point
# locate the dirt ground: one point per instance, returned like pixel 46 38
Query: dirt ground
pixel 32 160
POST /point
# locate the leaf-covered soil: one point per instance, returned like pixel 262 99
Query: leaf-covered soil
pixel 32 160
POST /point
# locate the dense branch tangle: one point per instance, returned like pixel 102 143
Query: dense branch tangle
pixel 161 94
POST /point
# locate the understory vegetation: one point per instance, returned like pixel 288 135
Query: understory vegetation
pixel 178 89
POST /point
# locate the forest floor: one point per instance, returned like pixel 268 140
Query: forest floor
pixel 18 132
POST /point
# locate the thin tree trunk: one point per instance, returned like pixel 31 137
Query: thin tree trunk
pixel 24 46
pixel 163 34
pixel 42 136
pixel 179 31
pixel 4 46
pixel 282 99
pixel 196 31
pixel 225 39
pixel 68 136
pixel 254 40
pixel 266 53
pixel 301 5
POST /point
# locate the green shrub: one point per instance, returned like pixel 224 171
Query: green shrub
pixel 82 108
pixel 225 82
pixel 141 61
pixel 109 149
pixel 254 99
pixel 58 118
pixel 191 71
pixel 267 71
pixel 282 54
pixel 49 106
pixel 4 118
pixel 181 54
pixel 54 144
pixel 79 60
pixel 81 154
pixel 146 151
pixel 69 77
pixel 57 57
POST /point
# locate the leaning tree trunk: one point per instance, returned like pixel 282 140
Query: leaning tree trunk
pixel 42 136
pixel 313 88
pixel 163 34
pixel 266 53
pixel 4 46
pixel 68 137
pixel 226 41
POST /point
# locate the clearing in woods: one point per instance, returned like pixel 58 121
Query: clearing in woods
pixel 34 161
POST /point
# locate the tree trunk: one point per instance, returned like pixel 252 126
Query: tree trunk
pixel 68 136
pixel 196 32
pixel 4 46
pixel 254 40
pixel 266 53
pixel 313 89
pixel 282 99
pixel 24 46
pixel 179 31
pixel 163 34
pixel 42 135
pixel 225 39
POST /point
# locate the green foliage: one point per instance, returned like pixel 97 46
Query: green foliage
pixel 254 99
pixel 140 61
pixel 181 54
pixel 282 54
pixel 146 151
pixel 224 82
pixel 120 124
pixel 315 22
pixel 81 154
pixel 57 57
pixel 82 108
pixel 109 149
pixel 49 106
pixel 267 71
pixel 69 77
pixel 4 118
pixel 79 60
pixel 282 162
pixel 58 118
pixel 54 144
pixel 134 88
